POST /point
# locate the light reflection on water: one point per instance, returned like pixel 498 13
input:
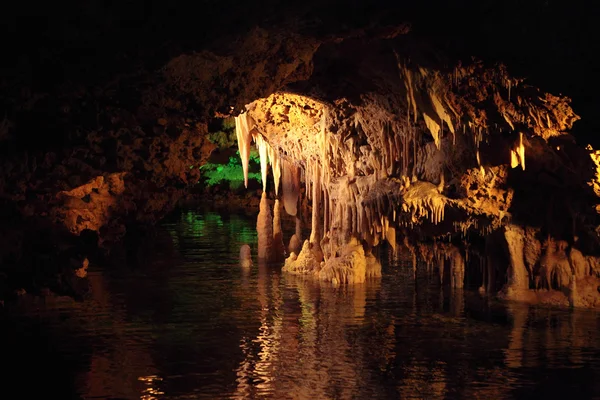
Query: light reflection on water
pixel 190 323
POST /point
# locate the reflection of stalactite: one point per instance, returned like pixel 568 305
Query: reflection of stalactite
pixel 138 377
pixel 256 374
pixel 244 371
pixel 515 350
pixel 576 341
pixel 287 358
pixel 457 302
pixel 270 331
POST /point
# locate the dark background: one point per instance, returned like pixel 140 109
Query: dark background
pixel 554 44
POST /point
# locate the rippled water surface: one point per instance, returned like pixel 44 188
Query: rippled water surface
pixel 188 323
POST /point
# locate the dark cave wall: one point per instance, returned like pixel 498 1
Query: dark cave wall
pixel 80 157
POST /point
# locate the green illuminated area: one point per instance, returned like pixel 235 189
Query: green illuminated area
pixel 238 229
pixel 224 166
pixel 232 173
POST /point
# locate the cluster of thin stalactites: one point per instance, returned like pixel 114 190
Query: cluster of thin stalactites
pixel 340 176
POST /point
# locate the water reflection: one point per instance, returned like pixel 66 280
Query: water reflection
pixel 297 350
pixel 199 326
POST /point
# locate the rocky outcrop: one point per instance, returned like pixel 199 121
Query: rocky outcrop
pixel 391 146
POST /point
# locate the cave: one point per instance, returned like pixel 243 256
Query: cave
pixel 367 146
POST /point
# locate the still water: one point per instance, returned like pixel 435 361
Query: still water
pixel 189 323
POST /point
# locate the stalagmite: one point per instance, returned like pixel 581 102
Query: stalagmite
pixel 578 262
pixel 521 151
pixel 457 268
pixel 296 240
pixel 244 139
pixel 245 256
pixel 315 234
pixel 555 267
pixel 517 272
pixel 264 228
pixel 290 187
pixel 295 245
pixel 352 265
pixel 278 246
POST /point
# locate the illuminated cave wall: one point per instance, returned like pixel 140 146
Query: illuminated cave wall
pixel 421 154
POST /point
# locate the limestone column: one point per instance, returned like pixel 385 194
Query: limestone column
pixel 517 272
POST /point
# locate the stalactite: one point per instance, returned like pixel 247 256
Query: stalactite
pixel 275 162
pixel 441 111
pixel 457 268
pixel 434 128
pixel 390 236
pixel 308 175
pixel 262 147
pixel 514 159
pixel 326 216
pixel 521 151
pixel 315 235
pixel 290 187
pixel 244 139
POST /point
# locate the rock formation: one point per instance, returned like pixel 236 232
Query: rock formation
pixel 393 148
pixel 392 142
